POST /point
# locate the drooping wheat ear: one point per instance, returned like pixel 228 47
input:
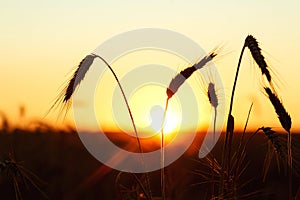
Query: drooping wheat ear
pixel 74 82
pixel 282 114
pixel 255 50
pixel 286 123
pixel 78 76
pixel 64 98
pixel 180 78
pixel 273 137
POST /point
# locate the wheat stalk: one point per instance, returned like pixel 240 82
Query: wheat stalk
pixel 162 170
pixel 173 87
pixel 78 76
pixel 286 123
pixel 213 100
pixel 252 44
pixel 230 125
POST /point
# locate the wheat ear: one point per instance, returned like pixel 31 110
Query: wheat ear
pixel 64 98
pixel 286 123
pixel 273 138
pixel 74 82
pixel 180 78
pixel 173 87
pixel 283 116
pixel 255 50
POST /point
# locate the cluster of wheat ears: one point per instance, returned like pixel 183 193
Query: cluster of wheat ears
pixel 226 172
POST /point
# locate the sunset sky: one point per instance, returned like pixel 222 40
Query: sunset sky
pixel 42 42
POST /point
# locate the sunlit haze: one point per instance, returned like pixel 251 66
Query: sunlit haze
pixel 43 41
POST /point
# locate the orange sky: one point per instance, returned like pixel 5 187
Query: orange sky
pixel 42 41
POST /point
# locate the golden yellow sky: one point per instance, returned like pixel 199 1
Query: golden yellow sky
pixel 42 41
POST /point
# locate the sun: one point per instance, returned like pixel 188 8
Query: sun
pixel 172 122
pixel 156 116
pixel 149 112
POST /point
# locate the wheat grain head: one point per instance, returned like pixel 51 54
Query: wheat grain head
pixel 255 50
pixel 212 96
pixel 180 78
pixel 283 116
pixel 273 138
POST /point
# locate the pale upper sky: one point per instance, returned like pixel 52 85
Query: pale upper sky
pixel 42 41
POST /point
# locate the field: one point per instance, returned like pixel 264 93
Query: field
pixel 67 171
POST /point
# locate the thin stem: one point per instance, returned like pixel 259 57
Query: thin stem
pixel 245 127
pixel 290 165
pixel 162 177
pixel 132 120
pixel 127 104
pixel 228 135
pixel 243 137
pixel 247 120
pixel 231 103
pixel 213 158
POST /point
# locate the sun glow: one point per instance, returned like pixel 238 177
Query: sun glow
pixel 149 112
pixel 171 121
pixel 145 90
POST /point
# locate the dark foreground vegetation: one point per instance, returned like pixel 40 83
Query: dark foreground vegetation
pixel 58 166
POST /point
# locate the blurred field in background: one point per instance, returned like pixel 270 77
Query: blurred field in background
pixel 68 171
